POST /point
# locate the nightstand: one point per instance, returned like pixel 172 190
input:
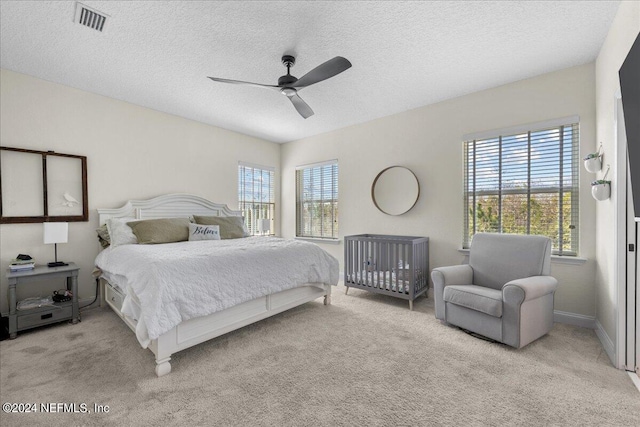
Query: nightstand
pixel 19 320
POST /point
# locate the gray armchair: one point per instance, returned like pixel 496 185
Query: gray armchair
pixel 505 292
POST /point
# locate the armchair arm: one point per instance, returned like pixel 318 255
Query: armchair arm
pixel 453 275
pixel 531 287
pixel 527 309
pixel 444 276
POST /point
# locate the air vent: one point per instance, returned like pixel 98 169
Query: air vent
pixel 90 17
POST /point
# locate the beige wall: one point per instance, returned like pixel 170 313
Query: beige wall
pixel 622 33
pixel 132 153
pixel 428 140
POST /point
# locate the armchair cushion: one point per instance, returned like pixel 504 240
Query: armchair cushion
pixel 478 298
pixel 499 258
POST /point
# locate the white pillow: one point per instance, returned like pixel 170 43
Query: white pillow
pixel 204 232
pixel 120 233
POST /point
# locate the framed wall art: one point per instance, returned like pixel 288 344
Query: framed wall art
pixel 42 186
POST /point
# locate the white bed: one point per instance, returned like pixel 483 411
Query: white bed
pixel 264 300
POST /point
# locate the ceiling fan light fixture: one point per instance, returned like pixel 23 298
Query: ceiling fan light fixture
pixel 288 91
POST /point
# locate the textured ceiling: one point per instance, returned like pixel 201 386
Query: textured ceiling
pixel 404 54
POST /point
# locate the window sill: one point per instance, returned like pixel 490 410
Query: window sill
pixel 319 240
pixel 555 259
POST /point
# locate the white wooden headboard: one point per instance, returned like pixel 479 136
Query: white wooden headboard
pixel 167 206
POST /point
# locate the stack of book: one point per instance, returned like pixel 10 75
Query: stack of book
pixel 22 265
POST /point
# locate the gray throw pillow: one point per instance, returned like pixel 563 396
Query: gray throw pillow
pixel 161 230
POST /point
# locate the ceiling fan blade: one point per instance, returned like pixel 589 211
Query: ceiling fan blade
pixel 323 71
pixel 238 82
pixel 302 107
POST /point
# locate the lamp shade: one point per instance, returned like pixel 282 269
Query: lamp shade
pixel 264 225
pixel 56 232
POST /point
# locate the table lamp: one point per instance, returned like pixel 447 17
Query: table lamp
pixel 56 232
pixel 264 226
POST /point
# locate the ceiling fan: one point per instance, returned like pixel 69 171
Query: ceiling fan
pixel 289 85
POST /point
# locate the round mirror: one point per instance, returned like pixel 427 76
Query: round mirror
pixel 395 190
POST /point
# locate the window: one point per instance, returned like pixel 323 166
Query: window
pixel 317 200
pixel 524 182
pixel 256 196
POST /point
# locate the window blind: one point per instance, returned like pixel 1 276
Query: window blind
pixel 256 195
pixel 317 200
pixel 524 183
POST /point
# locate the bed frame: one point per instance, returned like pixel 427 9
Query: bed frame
pixel 198 330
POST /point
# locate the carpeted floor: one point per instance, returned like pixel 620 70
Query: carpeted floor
pixel 365 360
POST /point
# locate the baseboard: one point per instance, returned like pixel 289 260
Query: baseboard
pixel 574 319
pixel 588 322
pixel 606 342
pixel 634 379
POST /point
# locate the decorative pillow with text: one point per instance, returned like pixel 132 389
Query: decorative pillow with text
pixel 231 227
pixel 204 232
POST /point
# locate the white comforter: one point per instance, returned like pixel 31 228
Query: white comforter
pixel 174 282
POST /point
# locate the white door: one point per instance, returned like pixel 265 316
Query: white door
pixel 630 288
pixel 633 278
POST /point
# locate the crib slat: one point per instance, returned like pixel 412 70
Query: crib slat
pixel 366 262
pixel 378 264
pixel 359 266
pixel 405 261
pixel 360 256
pixel 392 264
pixel 372 281
pixel 374 266
pixel 389 266
pixel 400 267
pixel 356 266
pixel 396 264
pixel 374 276
pixel 371 273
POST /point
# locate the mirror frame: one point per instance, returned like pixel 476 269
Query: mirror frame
pixel 373 190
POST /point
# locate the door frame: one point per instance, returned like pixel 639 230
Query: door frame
pixel 626 277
